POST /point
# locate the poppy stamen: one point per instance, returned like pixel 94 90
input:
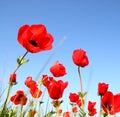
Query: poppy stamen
pixel 34 43
pixel 109 107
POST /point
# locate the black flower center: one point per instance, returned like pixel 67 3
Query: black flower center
pixel 19 97
pixel 33 42
pixel 109 107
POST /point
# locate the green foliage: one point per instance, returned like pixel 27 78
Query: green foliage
pixel 49 114
pixel 82 94
pixel 82 113
pixel 8 113
pixel 21 61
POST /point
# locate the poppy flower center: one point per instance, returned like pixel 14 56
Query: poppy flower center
pixel 33 42
pixel 19 97
pixel 109 107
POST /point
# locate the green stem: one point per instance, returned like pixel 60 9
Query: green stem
pixel 20 62
pixel 81 90
pixel 57 115
pixel 10 83
pixel 100 106
pixel 57 112
pixel 21 107
pixel 8 93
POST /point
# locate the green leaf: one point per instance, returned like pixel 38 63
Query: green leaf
pixel 49 114
pixel 72 104
pixel 41 102
pixel 21 61
pixel 82 94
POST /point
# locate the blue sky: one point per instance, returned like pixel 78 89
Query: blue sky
pixel 93 25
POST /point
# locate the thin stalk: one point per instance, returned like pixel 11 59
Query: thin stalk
pixel 57 112
pixel 10 83
pixel 21 107
pixel 100 106
pixel 20 62
pixel 43 94
pixel 47 106
pixel 8 93
pixel 81 89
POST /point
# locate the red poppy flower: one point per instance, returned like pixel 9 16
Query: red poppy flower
pixel 74 97
pixel 117 103
pixel 56 88
pixel 32 85
pixel 19 98
pixel 91 108
pixel 107 102
pixel 12 78
pixel 80 102
pixel 102 88
pixel 35 92
pixel 74 109
pixel 66 114
pixel 45 80
pixel 111 103
pixel 29 82
pixel 80 58
pixel 57 69
pixel 35 38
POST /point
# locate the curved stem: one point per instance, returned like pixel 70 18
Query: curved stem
pixel 20 62
pixel 10 83
pixel 8 93
pixel 81 90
